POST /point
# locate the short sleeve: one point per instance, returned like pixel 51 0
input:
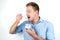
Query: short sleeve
pixel 50 32
pixel 19 28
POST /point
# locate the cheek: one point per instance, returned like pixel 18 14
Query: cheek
pixel 32 16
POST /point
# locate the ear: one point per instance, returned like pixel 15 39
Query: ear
pixel 37 12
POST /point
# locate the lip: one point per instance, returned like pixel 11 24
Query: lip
pixel 28 17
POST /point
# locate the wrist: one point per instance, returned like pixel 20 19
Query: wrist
pixel 36 37
pixel 17 21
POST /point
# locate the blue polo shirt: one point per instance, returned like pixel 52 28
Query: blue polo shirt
pixel 43 29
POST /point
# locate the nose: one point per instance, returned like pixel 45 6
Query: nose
pixel 27 14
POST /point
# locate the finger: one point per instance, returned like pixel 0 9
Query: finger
pixel 32 29
pixel 29 31
pixel 19 14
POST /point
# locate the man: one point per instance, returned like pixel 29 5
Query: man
pixel 40 29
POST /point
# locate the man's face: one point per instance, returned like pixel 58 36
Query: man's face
pixel 30 12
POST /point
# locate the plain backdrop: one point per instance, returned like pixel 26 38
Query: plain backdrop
pixel 49 10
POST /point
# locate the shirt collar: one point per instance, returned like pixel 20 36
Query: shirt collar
pixel 40 20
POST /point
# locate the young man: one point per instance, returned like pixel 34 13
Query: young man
pixel 40 29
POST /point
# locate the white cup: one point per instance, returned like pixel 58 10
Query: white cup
pixel 28 26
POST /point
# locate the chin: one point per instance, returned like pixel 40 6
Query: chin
pixel 30 20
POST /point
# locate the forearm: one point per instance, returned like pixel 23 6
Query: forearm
pixel 37 37
pixel 13 27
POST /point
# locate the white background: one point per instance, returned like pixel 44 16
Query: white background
pixel 49 10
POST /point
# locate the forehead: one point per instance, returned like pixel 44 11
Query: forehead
pixel 29 8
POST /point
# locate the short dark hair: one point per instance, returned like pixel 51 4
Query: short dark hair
pixel 34 5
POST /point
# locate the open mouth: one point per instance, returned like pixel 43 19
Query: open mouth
pixel 28 17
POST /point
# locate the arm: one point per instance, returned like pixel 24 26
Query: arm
pixel 33 34
pixel 37 37
pixel 50 32
pixel 13 27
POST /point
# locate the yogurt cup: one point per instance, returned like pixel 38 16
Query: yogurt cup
pixel 27 26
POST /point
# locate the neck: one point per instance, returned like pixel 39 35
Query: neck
pixel 36 20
